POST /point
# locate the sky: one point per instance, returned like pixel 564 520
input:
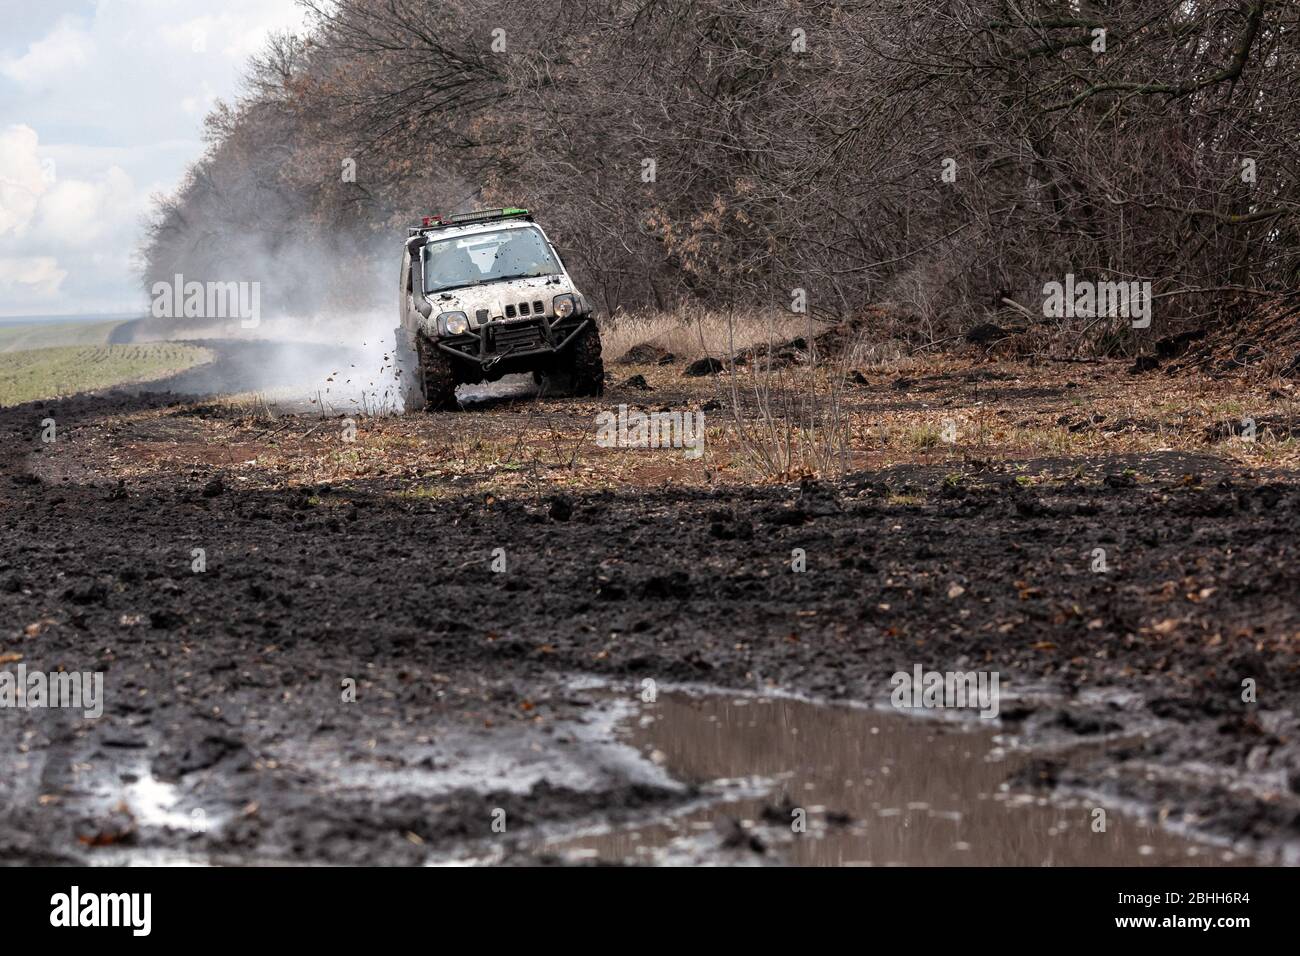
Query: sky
pixel 101 108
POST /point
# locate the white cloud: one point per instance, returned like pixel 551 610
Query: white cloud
pixel 76 211
pixel 23 179
pixel 117 91
pixel 40 209
pixel 31 281
pixel 54 227
pixel 62 53
pixel 199 105
pixel 237 32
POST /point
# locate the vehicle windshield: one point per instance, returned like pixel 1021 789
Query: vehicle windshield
pixel 487 257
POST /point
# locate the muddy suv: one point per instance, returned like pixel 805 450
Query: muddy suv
pixel 486 294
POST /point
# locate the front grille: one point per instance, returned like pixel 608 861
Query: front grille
pixel 518 338
pixel 482 315
pixel 525 308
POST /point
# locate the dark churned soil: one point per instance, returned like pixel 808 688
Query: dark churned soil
pixel 226 685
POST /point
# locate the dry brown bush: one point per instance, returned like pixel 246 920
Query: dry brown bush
pixel 780 169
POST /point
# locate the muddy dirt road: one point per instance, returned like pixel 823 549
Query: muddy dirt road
pixel 345 677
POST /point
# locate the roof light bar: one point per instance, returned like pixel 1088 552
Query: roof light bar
pixel 484 214
pixel 464 218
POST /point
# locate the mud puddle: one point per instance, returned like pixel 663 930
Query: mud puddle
pixel 869 787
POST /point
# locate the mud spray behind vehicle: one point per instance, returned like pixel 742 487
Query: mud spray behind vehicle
pixel 485 294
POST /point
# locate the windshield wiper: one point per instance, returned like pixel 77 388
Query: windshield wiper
pixel 460 285
pixel 523 275
pixel 477 282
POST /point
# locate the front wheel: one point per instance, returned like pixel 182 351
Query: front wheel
pixel 427 379
pixel 406 366
pixel 580 370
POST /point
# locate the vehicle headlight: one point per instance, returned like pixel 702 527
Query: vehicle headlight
pixel 454 322
pixel 565 306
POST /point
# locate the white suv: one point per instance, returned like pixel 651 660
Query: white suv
pixel 486 294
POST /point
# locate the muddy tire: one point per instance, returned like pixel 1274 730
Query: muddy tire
pixel 427 379
pixel 581 370
pixel 406 367
pixel 437 377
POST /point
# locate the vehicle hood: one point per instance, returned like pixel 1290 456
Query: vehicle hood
pixel 497 295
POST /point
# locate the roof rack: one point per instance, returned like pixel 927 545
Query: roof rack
pixel 430 223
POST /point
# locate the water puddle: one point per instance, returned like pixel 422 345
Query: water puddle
pixel 873 788
pixel 153 802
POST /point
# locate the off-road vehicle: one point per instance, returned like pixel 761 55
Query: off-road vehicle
pixel 486 294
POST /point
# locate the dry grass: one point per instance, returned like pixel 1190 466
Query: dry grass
pixel 791 422
pixel 693 332
pixel 774 423
pixel 787 422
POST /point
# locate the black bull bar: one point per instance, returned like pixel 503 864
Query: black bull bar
pixel 549 340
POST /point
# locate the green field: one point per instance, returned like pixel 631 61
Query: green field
pixel 44 335
pixel 64 370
